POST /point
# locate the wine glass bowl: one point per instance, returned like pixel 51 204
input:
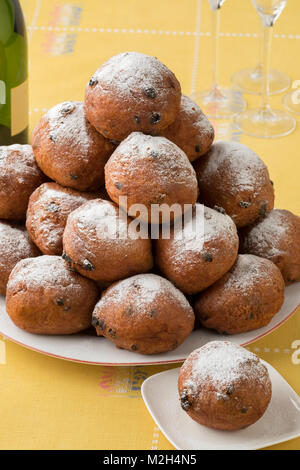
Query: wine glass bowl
pixel 266 122
pixel 218 102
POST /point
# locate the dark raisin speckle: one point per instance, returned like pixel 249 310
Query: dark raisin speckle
pixel 272 182
pixel 185 400
pixel 118 185
pixel 244 204
pixel 87 265
pixel 152 313
pixel 220 209
pixel 251 316
pixel 95 321
pixel 244 410
pixel 207 256
pixel 230 390
pixel 67 109
pixel 59 302
pixel 66 258
pixel 137 119
pixel 101 324
pixel 93 81
pixel 155 118
pixel 204 317
pixel 150 92
pixel 52 207
pixel 263 209
pixel 112 332
pixel 73 176
pixel 197 148
pixel 134 347
pixel 114 142
pixel 51 138
pixel 154 154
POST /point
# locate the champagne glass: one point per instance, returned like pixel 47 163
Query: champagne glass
pixel 291 101
pixel 266 122
pixel 250 80
pixel 218 103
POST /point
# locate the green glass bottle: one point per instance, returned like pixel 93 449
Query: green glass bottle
pixel 13 74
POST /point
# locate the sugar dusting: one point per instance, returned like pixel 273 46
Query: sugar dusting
pixel 14 243
pixel 211 225
pixel 68 125
pixel 249 271
pixel 240 164
pixel 167 161
pixel 266 236
pixel 44 272
pixel 144 289
pixel 129 71
pixel 223 364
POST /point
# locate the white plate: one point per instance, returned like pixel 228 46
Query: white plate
pixel 280 422
pixel 89 348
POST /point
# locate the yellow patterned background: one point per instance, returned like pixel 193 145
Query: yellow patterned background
pixel 47 403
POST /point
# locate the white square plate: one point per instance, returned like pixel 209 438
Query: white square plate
pixel 280 422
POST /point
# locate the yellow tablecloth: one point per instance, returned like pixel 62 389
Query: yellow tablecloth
pixel 47 403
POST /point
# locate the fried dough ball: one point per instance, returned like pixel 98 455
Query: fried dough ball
pixel 150 171
pixel 233 177
pixel 191 130
pixel 144 314
pixel 19 177
pixel 277 238
pixel 99 243
pixel 245 298
pixel 47 213
pixel 132 92
pixel 199 253
pixel 224 386
pixel 15 245
pixel 69 150
pixel 45 297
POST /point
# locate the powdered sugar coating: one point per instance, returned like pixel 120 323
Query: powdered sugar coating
pixel 150 170
pixel 145 289
pixel 213 225
pixel 222 364
pixel 44 272
pixel 243 166
pixel 249 271
pixel 191 130
pixel 132 92
pixel 268 234
pixel 48 209
pixel 68 124
pixel 125 72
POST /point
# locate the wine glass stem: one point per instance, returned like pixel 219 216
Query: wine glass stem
pixel 268 31
pixel 215 17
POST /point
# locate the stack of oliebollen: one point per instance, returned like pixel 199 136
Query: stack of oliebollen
pixel 78 263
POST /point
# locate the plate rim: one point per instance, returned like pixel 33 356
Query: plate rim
pixel 268 444
pixel 129 364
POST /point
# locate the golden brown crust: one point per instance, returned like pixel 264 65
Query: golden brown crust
pixel 245 298
pixel 150 171
pixel 223 386
pixel 19 177
pixel 97 243
pixel 15 245
pixel 277 238
pixel 45 297
pixel 193 265
pixel 47 213
pixel 145 314
pixel 233 177
pixel 191 130
pixel 69 150
pixel 132 92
